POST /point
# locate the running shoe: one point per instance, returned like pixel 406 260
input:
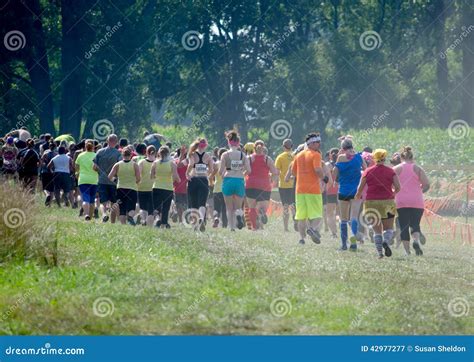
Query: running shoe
pixel 353 246
pixel 167 226
pixel 422 238
pixel 342 248
pixel 105 218
pixel 158 224
pixel 387 250
pixel 47 202
pixel 301 242
pixel 263 216
pixel 131 221
pixel 314 235
pixel 240 222
pixel 417 248
pixel 74 205
pixel 216 222
pixel 87 218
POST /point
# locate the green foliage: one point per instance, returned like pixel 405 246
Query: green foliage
pixel 254 63
pixel 440 154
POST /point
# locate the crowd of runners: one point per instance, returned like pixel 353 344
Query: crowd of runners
pixel 354 195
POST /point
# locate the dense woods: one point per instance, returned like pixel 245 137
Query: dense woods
pixel 333 64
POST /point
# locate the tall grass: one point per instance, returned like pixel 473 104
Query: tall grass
pixel 21 235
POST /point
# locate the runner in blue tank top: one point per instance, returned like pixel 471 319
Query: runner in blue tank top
pixel 347 172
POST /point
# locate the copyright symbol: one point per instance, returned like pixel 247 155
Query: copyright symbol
pixel 409 348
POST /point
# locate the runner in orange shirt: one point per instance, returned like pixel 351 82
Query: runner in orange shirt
pixel 307 169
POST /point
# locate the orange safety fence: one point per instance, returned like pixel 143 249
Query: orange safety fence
pixel 439 225
pixel 434 223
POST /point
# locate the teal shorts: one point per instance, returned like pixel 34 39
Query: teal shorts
pixel 233 186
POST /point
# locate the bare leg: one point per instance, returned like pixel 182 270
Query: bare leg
pixel 229 204
pixel 331 218
pixel 302 228
pixel 113 213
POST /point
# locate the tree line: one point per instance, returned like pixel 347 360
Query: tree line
pixel 334 64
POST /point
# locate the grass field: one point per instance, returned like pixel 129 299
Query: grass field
pixel 181 282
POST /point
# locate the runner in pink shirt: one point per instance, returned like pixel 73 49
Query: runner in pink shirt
pixel 409 201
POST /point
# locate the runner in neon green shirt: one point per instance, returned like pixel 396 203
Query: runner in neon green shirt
pixel 88 179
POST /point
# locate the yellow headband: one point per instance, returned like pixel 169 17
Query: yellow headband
pixel 379 154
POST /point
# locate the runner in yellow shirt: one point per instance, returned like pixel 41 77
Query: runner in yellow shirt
pixel 286 188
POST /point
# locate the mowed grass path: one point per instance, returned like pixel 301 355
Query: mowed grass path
pixel 181 282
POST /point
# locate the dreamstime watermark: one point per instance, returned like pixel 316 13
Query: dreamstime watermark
pixel 370 40
pixel 14 218
pixel 192 40
pixel 276 45
pixel 458 129
pixel 370 217
pixel 14 40
pixel 111 30
pixel 192 308
pixel 281 129
pixel 377 121
pixel 22 120
pixel 44 350
pixel 20 301
pixel 356 322
pixel 194 128
pixel 103 307
pixel 281 307
pixel 102 129
pixel 457 41
pixel 458 307
pixel 191 217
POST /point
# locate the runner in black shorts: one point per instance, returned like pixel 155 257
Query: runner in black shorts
pixel 199 168
pixel 286 189
pixel 128 175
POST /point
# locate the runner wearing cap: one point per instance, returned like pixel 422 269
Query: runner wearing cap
pixel 379 207
pixel 286 189
pixel 307 169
